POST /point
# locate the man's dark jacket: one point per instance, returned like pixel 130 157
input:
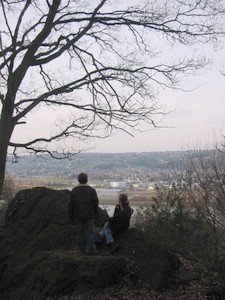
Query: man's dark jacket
pixel 83 203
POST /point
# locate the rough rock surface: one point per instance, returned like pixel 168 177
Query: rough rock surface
pixel 39 257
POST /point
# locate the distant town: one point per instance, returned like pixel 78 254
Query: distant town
pixel 110 173
pixel 138 170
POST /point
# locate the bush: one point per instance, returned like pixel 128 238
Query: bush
pixel 171 223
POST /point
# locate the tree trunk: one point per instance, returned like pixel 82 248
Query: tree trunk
pixel 3 156
pixel 6 129
pixel 4 141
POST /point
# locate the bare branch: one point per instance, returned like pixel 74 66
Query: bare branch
pixel 97 59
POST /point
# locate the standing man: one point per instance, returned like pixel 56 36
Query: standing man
pixel 83 206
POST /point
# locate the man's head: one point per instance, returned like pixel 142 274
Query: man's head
pixel 82 178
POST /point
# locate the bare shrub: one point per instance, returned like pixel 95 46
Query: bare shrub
pixel 174 224
pixel 203 182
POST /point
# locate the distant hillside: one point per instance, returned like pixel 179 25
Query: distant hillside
pixel 94 163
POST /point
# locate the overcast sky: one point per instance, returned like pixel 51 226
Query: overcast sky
pixel 197 117
pixel 197 120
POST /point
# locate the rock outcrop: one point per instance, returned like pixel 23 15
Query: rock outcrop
pixel 39 257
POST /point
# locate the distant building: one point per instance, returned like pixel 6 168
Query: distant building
pixel 108 192
pixel 150 187
pixel 118 184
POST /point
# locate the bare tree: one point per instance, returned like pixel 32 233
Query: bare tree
pixel 202 179
pixel 96 61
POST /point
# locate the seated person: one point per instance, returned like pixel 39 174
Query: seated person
pixel 118 223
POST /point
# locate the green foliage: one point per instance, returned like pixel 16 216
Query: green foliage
pixel 172 224
pixel 169 209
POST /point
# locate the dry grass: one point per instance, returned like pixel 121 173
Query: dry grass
pixel 137 198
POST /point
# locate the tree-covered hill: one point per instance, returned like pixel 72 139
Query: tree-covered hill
pixel 94 162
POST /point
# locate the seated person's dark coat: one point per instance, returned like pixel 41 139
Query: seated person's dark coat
pixel 121 218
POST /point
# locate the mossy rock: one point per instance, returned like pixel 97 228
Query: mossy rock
pixel 39 255
pixel 63 272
